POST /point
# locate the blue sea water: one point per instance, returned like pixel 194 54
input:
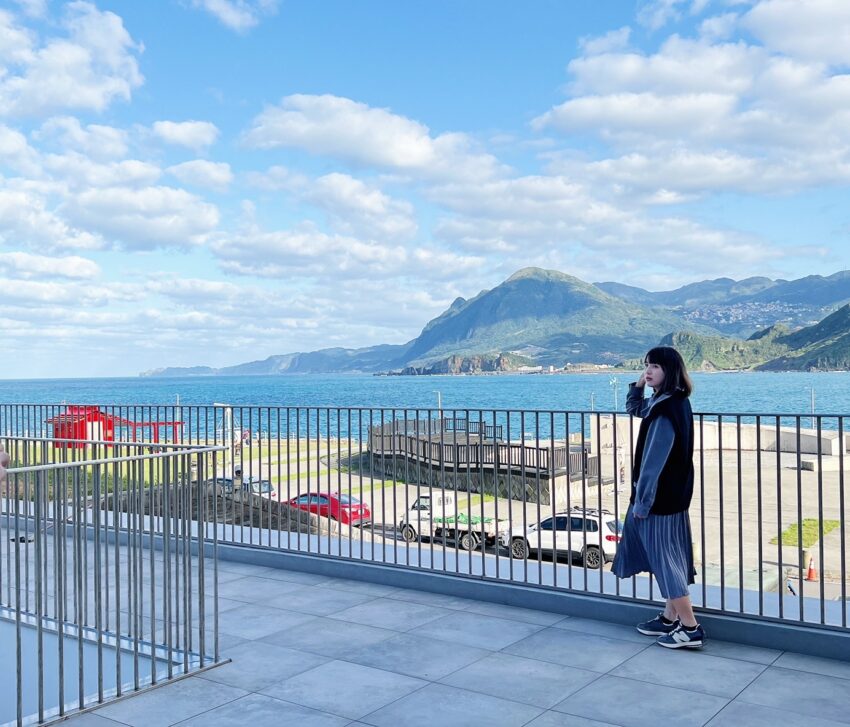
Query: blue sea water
pixel 735 392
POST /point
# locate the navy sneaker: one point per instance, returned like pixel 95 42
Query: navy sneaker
pixel 682 638
pixel 659 626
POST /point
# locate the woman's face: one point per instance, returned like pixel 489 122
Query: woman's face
pixel 654 375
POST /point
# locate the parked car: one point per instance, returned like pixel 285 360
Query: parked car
pixel 436 516
pixel 223 485
pixel 261 487
pixel 338 506
pixel 592 535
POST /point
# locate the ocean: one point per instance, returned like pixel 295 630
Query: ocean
pixel 733 392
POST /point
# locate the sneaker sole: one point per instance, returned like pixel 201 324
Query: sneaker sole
pixel 647 632
pixel 688 645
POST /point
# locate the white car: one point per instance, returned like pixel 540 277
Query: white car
pixel 592 535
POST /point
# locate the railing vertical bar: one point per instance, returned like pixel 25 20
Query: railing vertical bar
pixel 821 563
pixel 800 565
pixel 760 525
pixel 740 484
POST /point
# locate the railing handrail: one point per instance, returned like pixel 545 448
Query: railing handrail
pixel 111 460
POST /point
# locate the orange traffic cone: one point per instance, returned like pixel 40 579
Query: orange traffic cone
pixel 811 573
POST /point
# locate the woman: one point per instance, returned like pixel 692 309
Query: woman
pixel 657 531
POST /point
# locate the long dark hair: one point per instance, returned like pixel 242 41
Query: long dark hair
pixel 676 377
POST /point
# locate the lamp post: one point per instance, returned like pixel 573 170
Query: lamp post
pixel 227 433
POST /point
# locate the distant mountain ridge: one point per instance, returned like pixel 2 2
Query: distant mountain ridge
pixel 547 317
pixel 741 307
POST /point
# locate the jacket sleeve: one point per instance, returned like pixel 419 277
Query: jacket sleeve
pixel 659 443
pixel 636 404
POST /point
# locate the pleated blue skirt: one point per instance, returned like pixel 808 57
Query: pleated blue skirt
pixel 660 545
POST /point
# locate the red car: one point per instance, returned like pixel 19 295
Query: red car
pixel 341 507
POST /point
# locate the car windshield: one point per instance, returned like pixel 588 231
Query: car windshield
pixel 615 526
pixel 263 486
pixel 346 500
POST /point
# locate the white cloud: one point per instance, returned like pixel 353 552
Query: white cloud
pixel 192 134
pixel 77 171
pixel 89 69
pixel 357 208
pixel 555 222
pixel 613 40
pixel 363 135
pixel 815 30
pixel 25 265
pixel 25 220
pixel 16 153
pixel 95 140
pixel 307 251
pixel 33 8
pixel 655 14
pixel 719 27
pixel 203 173
pixel 699 116
pixel 238 15
pixel 146 218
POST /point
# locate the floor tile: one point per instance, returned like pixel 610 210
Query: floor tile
pixel 730 650
pixel 559 719
pixel 348 690
pixel 254 589
pixel 636 704
pixel 259 710
pixel 690 670
pixel 604 628
pixel 391 614
pixel 417 656
pixel 320 601
pixel 432 599
pixel 258 664
pixel 572 648
pixel 515 613
pixel 90 719
pixel 801 692
pixel 815 665
pixel 472 629
pixel 306 579
pixel 171 703
pixel 258 621
pixel 364 587
pixel 438 704
pixel 736 714
pixel 329 637
pixel 538 683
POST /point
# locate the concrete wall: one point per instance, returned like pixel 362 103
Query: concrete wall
pixel 711 436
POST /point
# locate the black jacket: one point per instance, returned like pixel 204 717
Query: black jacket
pixel 676 481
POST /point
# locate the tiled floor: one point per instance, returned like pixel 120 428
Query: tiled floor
pixel 308 650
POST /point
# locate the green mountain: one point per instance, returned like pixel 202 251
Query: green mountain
pixel 741 307
pixel 824 346
pixel 545 317
pixel 545 314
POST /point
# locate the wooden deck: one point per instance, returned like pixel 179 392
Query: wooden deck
pixel 433 442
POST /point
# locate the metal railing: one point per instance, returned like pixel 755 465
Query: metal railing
pixel 103 586
pixel 769 514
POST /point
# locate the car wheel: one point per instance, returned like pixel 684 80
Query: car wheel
pixel 468 541
pixel 519 549
pixel 593 557
pixel 408 533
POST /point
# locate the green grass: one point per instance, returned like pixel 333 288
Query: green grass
pixel 810 535
pixel 474 501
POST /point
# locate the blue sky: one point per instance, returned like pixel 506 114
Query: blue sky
pixel 190 182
